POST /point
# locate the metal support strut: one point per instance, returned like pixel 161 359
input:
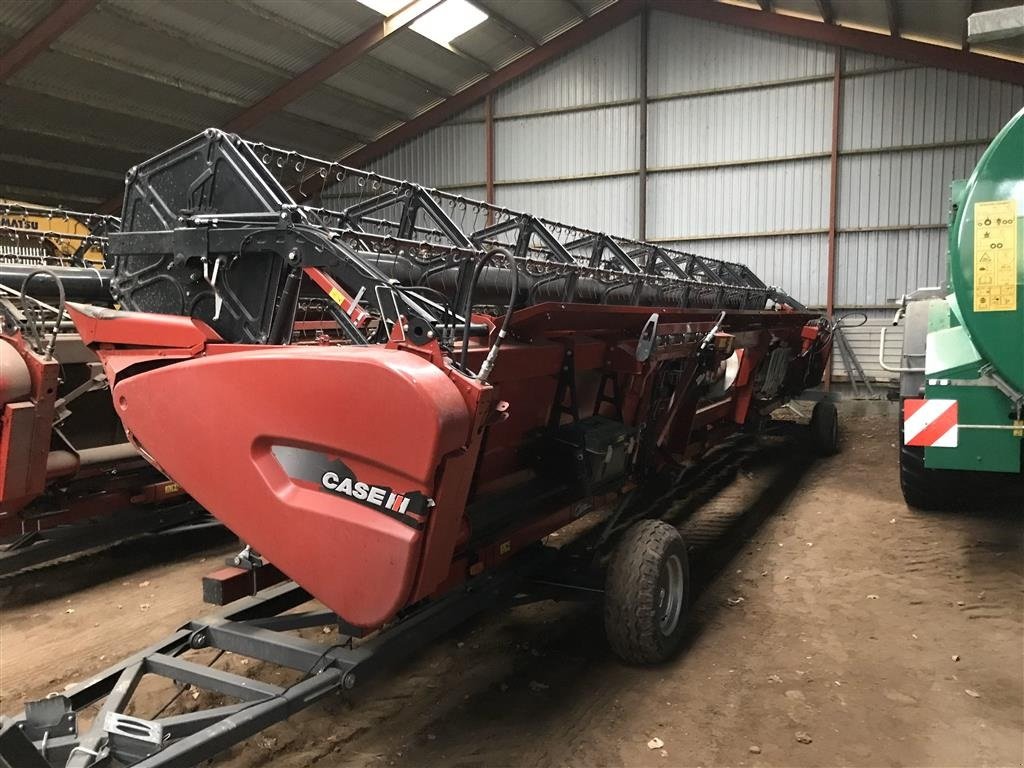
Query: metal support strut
pixel 46 735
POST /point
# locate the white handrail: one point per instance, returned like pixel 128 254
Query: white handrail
pixel 881 356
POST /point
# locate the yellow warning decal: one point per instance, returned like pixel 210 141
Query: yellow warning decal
pixel 995 256
pixel 338 296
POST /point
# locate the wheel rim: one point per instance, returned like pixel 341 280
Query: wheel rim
pixel 670 595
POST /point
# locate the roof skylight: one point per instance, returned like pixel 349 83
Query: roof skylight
pixel 449 20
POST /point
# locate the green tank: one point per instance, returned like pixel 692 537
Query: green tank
pixel 962 370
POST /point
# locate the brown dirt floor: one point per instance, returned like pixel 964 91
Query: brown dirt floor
pixel 825 608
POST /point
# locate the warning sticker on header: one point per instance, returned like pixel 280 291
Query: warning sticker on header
pixel 995 256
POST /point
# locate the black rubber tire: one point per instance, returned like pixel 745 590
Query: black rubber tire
pixel 825 429
pixel 923 488
pixel 639 595
pixel 930 490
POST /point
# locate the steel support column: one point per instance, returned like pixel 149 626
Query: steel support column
pixel 645 18
pixel 489 155
pixel 833 193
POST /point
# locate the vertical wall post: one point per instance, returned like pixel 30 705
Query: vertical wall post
pixel 489 154
pixel 833 194
pixel 642 150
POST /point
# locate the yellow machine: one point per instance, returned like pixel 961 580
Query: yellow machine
pixel 37 235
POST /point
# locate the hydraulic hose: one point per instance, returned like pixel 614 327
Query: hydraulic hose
pixel 492 355
pixel 30 318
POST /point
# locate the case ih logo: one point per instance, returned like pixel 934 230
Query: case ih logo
pixel 329 474
pixel 372 494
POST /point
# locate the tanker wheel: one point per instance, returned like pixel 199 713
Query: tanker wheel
pixel 646 592
pixel 825 429
pixel 930 490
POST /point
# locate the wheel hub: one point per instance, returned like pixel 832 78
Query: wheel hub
pixel 671 591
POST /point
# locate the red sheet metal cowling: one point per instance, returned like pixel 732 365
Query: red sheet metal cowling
pixel 327 456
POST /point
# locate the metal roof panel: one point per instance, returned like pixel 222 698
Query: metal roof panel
pixel 289 131
pixel 230 27
pixel 337 22
pixel 937 20
pixel 541 20
pixel 66 77
pixel 19 16
pixel 868 13
pixel 331 107
pixel 117 41
pixel 411 52
pixel 373 80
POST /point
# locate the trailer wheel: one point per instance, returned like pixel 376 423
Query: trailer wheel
pixel 930 490
pixel 646 593
pixel 920 489
pixel 825 429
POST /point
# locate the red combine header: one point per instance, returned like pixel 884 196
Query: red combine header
pixel 69 478
pixel 394 395
pixel 383 402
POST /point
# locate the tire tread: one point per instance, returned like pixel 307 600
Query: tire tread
pixel 630 614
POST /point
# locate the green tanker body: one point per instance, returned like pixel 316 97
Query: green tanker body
pixel 962 372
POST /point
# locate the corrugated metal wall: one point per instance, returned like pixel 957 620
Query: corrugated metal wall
pixel 738 156
pixel 566 121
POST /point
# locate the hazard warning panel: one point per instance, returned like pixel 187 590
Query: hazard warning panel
pixel 930 423
pixel 995 256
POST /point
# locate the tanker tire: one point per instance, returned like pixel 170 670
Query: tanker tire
pixel 646 593
pixel 825 429
pixel 929 490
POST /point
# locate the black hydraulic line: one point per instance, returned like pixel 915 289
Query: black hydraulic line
pixel 30 314
pixel 488 364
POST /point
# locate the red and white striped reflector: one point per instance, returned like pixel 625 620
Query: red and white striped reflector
pixel 930 423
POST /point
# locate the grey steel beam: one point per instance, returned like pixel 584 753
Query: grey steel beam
pixel 116 701
pixel 247 721
pixel 202 676
pixel 179 726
